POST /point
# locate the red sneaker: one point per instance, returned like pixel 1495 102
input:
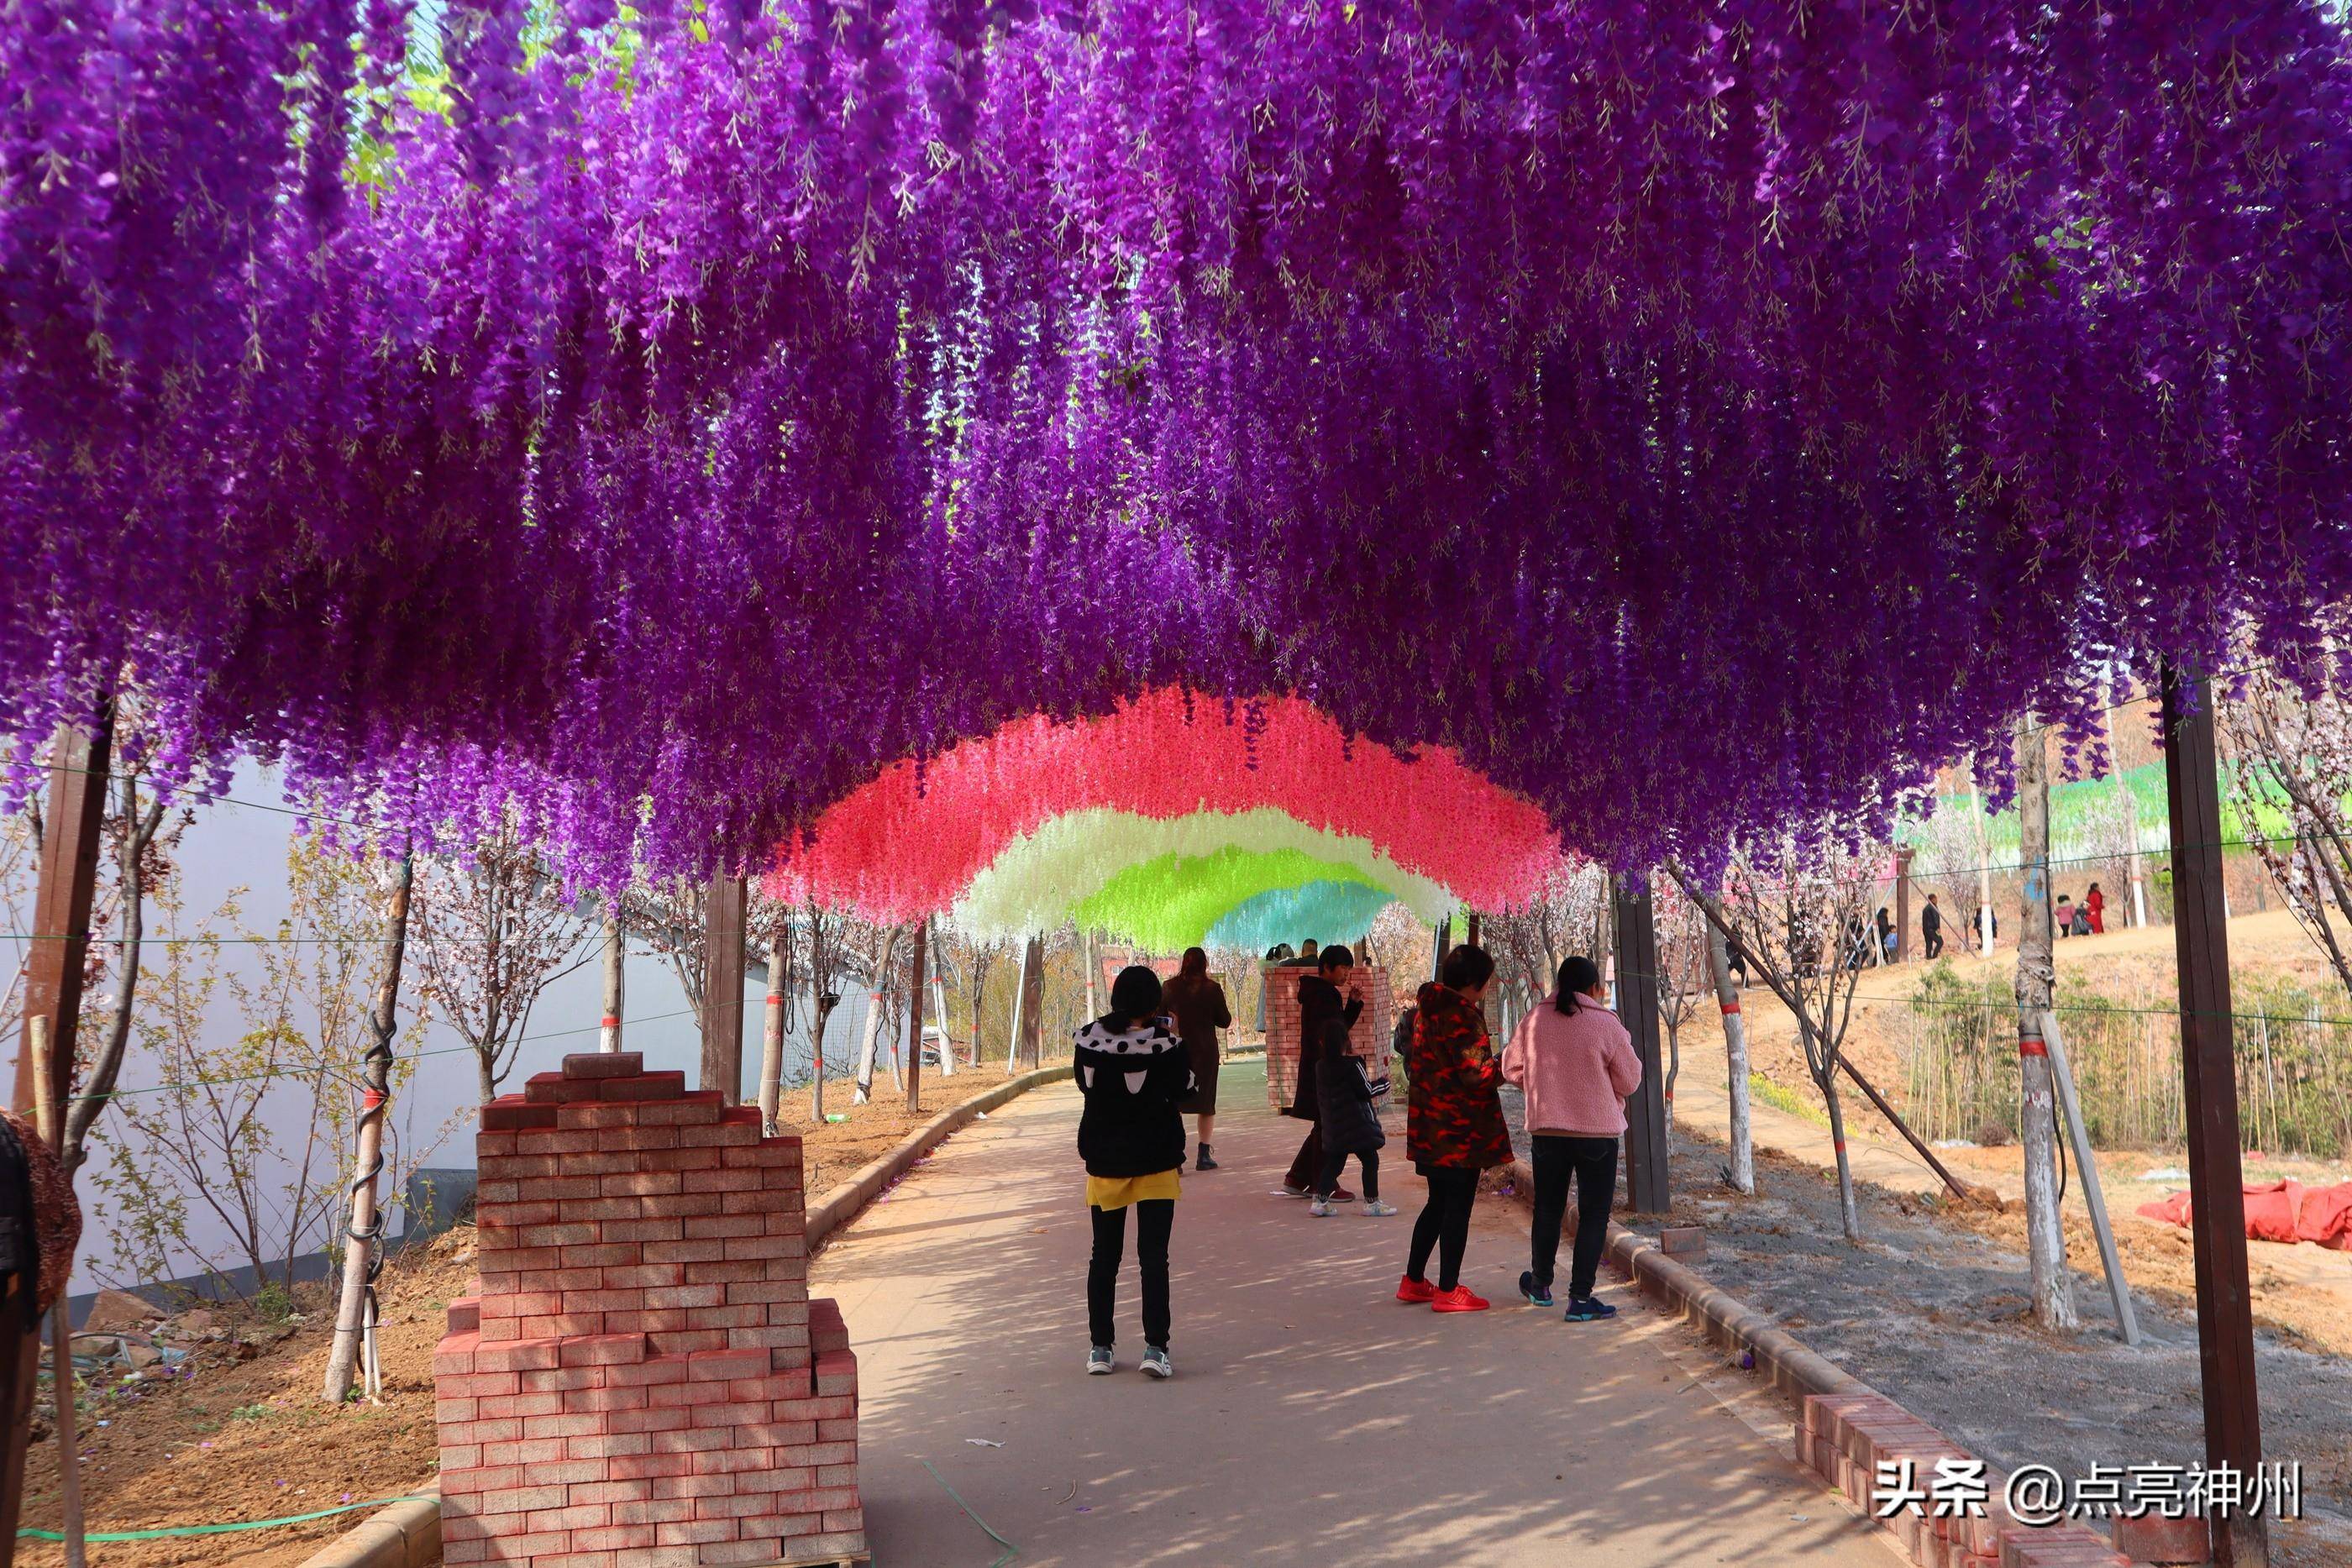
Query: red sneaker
pixel 1458 1300
pixel 1415 1291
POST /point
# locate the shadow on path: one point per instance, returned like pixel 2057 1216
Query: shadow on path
pixel 1312 1420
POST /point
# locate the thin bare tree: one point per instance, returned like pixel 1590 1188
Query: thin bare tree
pixel 493 929
pixel 2287 752
pixel 1786 903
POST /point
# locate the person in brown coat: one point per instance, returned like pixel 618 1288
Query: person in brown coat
pixel 1197 1003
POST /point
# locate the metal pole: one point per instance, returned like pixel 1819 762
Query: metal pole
pixel 2217 1200
pixel 915 1016
pixel 1637 1006
pixel 1444 940
pixel 722 986
pixel 2086 1163
pixel 1474 931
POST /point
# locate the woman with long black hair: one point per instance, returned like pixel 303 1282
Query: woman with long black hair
pixel 1453 1125
pixel 1132 1072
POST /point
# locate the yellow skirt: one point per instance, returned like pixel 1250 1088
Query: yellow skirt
pixel 1117 1192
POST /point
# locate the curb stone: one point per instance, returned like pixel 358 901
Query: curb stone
pixel 408 1535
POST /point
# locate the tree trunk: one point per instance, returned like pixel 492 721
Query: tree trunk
pixel 2037 1110
pixel 1020 1012
pixel 1735 1051
pixel 939 1006
pixel 870 1036
pixel 354 1315
pixel 1086 961
pixel 915 1016
pixel 816 1067
pixel 1849 1212
pixel 772 1037
pixel 616 950
pixel 1032 1001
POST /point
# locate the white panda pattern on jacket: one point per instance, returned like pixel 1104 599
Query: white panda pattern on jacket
pixel 1133 1080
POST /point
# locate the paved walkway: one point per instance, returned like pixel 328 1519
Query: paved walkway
pixel 1312 1419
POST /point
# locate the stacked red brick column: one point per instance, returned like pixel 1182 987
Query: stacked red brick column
pixel 642 1381
pixel 1371 1035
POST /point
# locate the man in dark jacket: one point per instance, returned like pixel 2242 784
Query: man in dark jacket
pixel 1931 929
pixel 1319 1003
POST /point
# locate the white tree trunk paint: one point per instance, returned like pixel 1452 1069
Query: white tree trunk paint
pixel 2045 1234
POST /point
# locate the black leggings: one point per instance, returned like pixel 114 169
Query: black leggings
pixel 1336 1160
pixel 1154 1217
pixel 1444 1223
pixel 1592 1162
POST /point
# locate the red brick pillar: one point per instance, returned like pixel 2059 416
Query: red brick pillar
pixel 1371 1035
pixel 642 1381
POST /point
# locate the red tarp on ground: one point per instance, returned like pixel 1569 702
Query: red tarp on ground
pixel 2280 1211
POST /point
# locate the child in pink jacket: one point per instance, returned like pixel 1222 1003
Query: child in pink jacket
pixel 1576 1063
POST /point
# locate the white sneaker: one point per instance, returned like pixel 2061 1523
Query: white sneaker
pixel 1380 1210
pixel 1321 1210
pixel 1100 1361
pixel 1155 1363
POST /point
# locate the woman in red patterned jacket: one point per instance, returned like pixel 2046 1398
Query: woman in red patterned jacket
pixel 1453 1125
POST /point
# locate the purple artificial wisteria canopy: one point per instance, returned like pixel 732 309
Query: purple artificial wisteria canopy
pixel 1696 414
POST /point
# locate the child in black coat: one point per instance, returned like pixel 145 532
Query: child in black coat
pixel 1348 1120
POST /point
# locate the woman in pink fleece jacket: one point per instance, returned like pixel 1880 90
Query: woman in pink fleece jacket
pixel 1576 1063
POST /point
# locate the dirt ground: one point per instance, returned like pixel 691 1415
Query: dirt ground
pixel 251 1441
pixel 2303 1292
pixel 1933 1312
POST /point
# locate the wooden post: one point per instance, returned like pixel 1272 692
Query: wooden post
pixel 1473 932
pixel 2037 1105
pixel 915 1016
pixel 722 986
pixel 78 762
pixel 1637 1006
pixel 68 881
pixel 1444 941
pixel 2217 1201
pixel 1901 907
pixel 2087 1166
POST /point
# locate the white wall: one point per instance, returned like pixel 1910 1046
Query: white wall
pixel 241 842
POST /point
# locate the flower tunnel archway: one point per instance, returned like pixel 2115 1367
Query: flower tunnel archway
pixel 1171 821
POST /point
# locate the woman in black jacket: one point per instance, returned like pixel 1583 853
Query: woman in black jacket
pixel 1132 1072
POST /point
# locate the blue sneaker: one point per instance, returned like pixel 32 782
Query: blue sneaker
pixel 1537 1295
pixel 1587 1309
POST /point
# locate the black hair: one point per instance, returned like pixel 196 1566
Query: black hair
pixel 1577 974
pixel 1196 963
pixel 1134 997
pixel 1331 957
pixel 1466 968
